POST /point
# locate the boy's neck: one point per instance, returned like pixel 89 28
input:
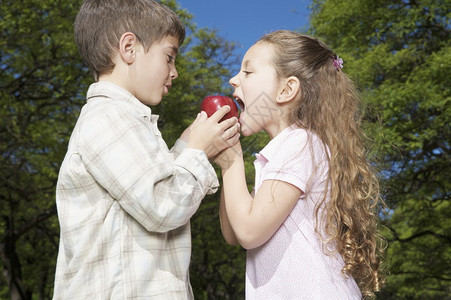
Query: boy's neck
pixel 116 78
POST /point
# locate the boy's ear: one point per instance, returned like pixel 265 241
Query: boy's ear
pixel 289 90
pixel 127 47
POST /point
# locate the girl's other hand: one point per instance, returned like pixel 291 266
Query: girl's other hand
pixel 226 158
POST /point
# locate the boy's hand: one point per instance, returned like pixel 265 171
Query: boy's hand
pixel 208 135
pixel 186 133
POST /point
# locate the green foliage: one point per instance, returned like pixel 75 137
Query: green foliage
pixel 41 79
pixel 217 269
pixel 399 53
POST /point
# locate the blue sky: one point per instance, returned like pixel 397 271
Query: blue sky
pixel 244 21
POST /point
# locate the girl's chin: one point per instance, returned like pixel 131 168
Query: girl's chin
pixel 245 131
pixel 246 127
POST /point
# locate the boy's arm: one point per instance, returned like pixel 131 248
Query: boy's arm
pixel 129 159
pixel 178 147
pixel 182 141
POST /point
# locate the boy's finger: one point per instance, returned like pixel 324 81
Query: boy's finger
pixel 231 131
pixel 234 139
pixel 220 113
pixel 196 120
pixel 202 115
pixel 229 123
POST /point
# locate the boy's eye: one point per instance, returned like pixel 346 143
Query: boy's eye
pixel 170 58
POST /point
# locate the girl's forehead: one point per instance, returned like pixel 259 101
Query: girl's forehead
pixel 259 53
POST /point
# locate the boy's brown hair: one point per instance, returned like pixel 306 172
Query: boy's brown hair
pixel 100 24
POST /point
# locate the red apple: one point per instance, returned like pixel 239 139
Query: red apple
pixel 211 104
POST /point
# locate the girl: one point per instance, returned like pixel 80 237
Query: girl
pixel 309 225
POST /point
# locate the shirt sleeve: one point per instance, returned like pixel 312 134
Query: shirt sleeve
pixel 127 156
pixel 300 161
pixel 178 147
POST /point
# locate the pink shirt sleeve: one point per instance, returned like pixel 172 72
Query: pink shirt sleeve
pixel 296 159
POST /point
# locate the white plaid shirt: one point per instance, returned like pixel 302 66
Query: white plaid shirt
pixel 124 204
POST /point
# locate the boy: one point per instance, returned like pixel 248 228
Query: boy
pixel 124 200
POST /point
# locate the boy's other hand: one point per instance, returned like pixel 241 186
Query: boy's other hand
pixel 187 132
pixel 210 136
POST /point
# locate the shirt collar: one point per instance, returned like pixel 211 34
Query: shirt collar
pixel 110 90
pixel 270 150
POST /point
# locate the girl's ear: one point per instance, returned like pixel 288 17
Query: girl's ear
pixel 127 47
pixel 289 90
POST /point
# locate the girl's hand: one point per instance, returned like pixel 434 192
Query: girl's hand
pixel 226 158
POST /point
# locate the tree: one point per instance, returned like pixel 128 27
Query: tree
pixel 399 52
pixel 43 85
pixel 41 82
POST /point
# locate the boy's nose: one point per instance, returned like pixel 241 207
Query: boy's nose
pixel 174 74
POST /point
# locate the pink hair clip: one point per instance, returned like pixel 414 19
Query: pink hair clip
pixel 338 63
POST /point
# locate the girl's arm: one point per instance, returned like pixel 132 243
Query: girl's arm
pixel 226 228
pixel 253 220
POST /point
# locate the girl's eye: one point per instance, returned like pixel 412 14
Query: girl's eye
pixel 247 72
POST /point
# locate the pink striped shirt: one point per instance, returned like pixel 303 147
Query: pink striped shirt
pixel 292 264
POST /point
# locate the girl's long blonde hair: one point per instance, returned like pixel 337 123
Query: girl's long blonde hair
pixel 329 106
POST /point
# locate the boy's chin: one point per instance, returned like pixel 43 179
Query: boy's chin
pixel 151 101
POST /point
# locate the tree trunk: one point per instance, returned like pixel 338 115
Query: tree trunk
pixel 12 268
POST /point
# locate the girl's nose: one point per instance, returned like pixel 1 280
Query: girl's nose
pixel 234 81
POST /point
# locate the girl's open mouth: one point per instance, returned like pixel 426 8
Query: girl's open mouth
pixel 240 103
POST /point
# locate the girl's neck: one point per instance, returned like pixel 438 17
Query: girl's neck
pixel 274 130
